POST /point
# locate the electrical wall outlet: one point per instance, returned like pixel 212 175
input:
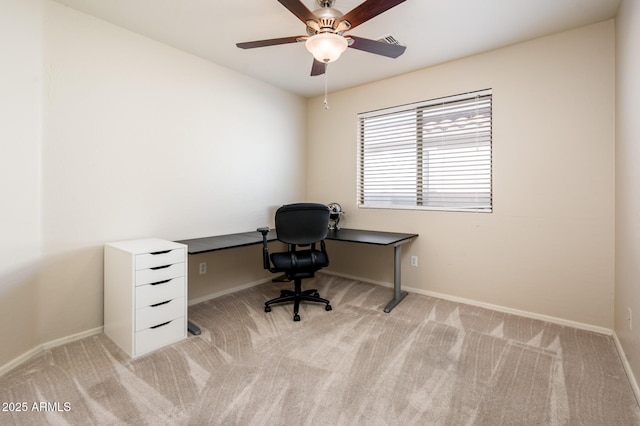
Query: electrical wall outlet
pixel 203 268
pixel 414 261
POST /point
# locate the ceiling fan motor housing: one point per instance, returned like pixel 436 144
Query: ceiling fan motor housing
pixel 328 20
pixel 326 3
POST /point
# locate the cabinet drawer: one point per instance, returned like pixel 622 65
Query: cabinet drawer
pixel 150 294
pixel 154 275
pixel 160 258
pixel 161 313
pixel 154 338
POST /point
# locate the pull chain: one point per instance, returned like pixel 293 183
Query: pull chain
pixel 326 79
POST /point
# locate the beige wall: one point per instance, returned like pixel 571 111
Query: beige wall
pixel 20 115
pixel 135 139
pixel 227 270
pixel 548 247
pixel 628 180
pixel 20 104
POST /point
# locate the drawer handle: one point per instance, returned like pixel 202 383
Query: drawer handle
pixel 161 325
pixel 160 267
pixel 161 282
pixel 160 304
pixel 159 252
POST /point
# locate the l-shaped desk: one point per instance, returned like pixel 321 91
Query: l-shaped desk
pixel 397 240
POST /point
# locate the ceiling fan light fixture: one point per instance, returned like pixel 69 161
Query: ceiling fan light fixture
pixel 326 47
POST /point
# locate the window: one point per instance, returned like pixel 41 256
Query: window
pixel 432 155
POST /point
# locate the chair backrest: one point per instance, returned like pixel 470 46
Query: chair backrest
pixel 302 223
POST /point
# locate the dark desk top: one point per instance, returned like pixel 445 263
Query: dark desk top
pixel 368 237
pixel 223 242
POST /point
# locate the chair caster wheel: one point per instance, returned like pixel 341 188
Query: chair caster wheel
pixel 316 294
pixel 267 308
pixel 296 317
pixel 328 308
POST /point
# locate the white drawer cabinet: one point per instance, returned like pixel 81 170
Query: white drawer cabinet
pixel 145 294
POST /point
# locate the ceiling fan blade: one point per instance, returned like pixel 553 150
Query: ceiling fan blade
pixel 318 68
pixel 377 47
pixel 367 10
pixel 300 10
pixel 269 42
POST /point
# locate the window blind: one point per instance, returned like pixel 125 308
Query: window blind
pixel 433 155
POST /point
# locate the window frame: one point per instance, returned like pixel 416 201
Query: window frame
pixel 463 177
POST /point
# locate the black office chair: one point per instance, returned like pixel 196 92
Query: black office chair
pixel 300 224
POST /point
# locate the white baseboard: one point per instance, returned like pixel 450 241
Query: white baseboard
pixel 353 277
pixel 526 314
pixel 228 291
pixel 48 345
pixel 67 339
pixel 627 368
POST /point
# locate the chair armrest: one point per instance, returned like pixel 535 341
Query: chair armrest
pixel 265 247
pixel 323 247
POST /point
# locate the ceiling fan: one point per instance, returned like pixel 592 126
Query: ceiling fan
pixel 326 26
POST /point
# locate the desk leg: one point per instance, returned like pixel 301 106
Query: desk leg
pixel 398 294
pixel 193 329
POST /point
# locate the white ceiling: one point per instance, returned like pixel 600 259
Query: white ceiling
pixel 434 31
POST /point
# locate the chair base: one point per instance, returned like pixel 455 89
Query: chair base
pixel 296 296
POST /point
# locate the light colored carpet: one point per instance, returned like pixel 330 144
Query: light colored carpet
pixel 428 362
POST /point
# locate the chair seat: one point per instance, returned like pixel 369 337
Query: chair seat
pixel 310 260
